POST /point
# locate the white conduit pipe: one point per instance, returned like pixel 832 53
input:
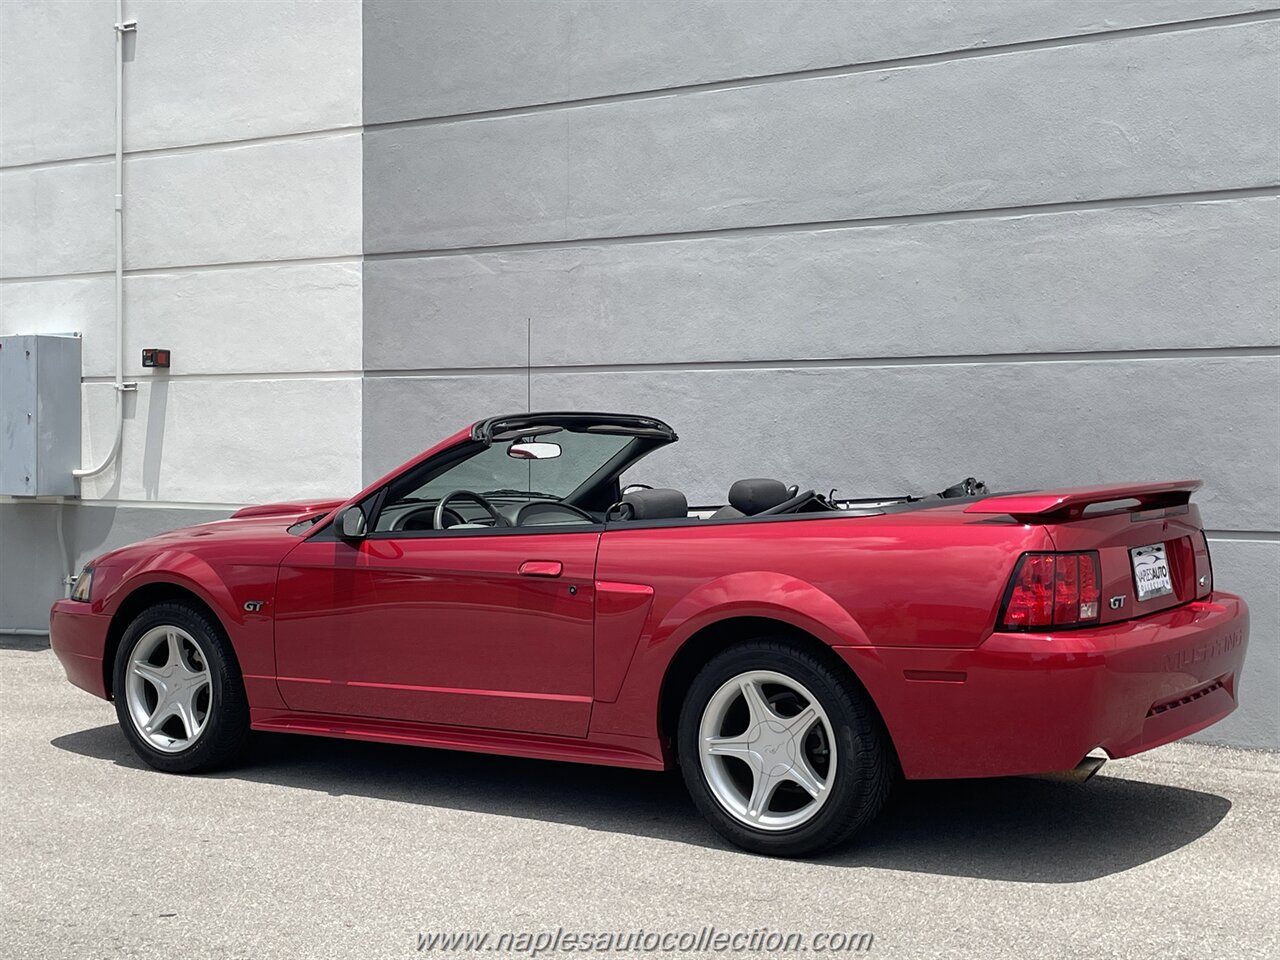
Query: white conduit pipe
pixel 122 27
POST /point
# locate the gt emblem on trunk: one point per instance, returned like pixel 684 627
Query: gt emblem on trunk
pixel 1117 602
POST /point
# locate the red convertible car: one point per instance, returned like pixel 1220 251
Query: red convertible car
pixel 792 653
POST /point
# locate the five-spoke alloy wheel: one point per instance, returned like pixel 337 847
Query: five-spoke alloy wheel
pixel 179 694
pixel 168 689
pixel 781 750
pixel 766 749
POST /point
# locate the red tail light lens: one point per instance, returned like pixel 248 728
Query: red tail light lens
pixel 1030 602
pixel 1052 590
pixel 1089 587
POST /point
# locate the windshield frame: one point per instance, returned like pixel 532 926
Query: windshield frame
pixel 595 494
pixel 503 477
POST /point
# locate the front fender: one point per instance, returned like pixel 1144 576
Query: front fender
pixel 225 592
pixel 182 569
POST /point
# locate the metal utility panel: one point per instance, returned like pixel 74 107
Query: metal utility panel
pixel 39 415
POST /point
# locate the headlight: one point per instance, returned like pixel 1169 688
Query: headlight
pixel 84 584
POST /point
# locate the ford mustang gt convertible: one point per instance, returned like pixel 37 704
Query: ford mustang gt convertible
pixel 791 652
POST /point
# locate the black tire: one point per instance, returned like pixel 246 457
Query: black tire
pixel 227 726
pixel 865 765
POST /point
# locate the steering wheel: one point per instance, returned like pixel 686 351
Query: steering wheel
pixel 421 519
pixel 437 519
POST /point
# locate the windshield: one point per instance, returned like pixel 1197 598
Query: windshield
pixel 492 472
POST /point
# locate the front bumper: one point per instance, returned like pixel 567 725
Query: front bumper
pixel 1033 703
pixel 78 637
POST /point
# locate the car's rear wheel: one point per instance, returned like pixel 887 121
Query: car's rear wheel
pixel 780 752
pixel 179 695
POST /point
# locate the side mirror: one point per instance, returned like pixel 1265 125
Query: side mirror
pixel 534 450
pixel 352 524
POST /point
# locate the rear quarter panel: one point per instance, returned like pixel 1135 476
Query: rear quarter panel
pixel 930 578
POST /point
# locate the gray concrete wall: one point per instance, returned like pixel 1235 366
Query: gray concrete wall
pixel 242 255
pixel 32 563
pixel 879 246
pixel 30 569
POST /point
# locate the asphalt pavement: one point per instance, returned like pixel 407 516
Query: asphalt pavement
pixel 330 849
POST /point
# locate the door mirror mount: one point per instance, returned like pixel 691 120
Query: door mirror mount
pixel 352 524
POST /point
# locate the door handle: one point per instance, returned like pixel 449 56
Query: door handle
pixel 541 568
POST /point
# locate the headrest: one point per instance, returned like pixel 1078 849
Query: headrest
pixel 654 505
pixel 752 496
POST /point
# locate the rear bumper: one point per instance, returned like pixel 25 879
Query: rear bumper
pixel 78 637
pixel 1033 703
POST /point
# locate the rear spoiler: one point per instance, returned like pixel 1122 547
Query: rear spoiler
pixel 1045 506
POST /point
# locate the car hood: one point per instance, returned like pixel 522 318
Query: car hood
pixel 289 508
pixel 261 531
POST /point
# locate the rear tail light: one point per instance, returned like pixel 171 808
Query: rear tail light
pixel 1052 590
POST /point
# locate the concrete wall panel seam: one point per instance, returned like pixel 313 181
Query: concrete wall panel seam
pixel 386 92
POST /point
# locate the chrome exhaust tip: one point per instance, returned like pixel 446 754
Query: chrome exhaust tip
pixel 1081 772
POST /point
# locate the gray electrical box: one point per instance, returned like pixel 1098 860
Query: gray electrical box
pixel 39 415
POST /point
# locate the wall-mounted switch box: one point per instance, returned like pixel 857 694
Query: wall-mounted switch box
pixel 39 415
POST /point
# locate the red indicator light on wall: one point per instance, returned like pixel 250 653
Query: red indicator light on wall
pixel 155 357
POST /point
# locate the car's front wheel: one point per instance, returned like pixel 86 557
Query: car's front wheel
pixel 780 752
pixel 179 695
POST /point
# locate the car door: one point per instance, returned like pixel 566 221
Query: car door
pixel 477 628
pixel 463 593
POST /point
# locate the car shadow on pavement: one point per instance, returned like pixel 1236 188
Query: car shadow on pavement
pixel 1001 829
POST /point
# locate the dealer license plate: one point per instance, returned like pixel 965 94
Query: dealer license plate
pixel 1151 571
